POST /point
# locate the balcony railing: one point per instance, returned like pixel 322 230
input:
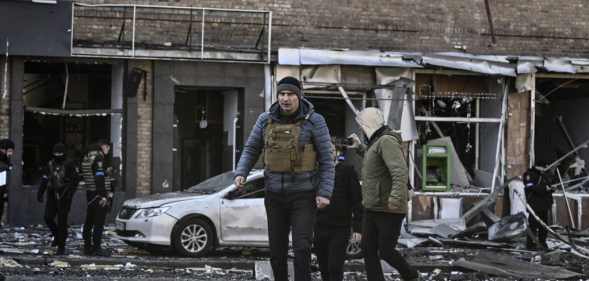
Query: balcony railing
pixel 171 32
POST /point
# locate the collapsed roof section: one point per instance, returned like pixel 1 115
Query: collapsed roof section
pixel 485 64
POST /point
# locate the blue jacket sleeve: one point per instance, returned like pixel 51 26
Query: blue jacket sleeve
pixel 322 142
pixel 253 147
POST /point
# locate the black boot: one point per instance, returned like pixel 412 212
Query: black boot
pixel 60 251
pixel 88 251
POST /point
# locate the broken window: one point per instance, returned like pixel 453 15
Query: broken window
pixel 68 103
pixel 458 121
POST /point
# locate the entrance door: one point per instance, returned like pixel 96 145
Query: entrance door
pixel 201 134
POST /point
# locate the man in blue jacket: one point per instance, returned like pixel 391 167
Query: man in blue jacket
pixel 299 174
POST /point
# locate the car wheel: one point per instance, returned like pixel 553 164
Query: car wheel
pixel 193 237
pixel 354 249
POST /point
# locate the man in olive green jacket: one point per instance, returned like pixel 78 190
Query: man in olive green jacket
pixel 384 196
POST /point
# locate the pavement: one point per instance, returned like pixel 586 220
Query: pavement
pixel 26 254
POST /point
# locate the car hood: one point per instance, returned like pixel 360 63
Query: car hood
pixel 159 199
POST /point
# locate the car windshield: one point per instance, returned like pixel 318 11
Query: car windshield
pixel 213 184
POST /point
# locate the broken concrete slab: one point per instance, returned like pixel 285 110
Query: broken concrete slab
pixel 442 228
pixel 507 266
pixel 9 263
pixel 411 242
pixel 447 230
pixel 263 271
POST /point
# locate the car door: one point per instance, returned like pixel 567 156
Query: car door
pixel 243 216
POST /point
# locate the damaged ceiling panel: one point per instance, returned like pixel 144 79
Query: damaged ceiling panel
pixel 485 64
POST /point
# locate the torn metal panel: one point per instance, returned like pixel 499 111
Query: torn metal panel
pixel 396 102
pixel 448 230
pixel 469 64
pixel 473 243
pixel 304 56
pixel 485 64
pixel 442 228
pixel 508 227
pixel 503 265
pixel 321 74
pixel 516 191
pixel 559 65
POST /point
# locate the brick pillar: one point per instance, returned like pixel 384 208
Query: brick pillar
pixel 517 141
pixel 144 127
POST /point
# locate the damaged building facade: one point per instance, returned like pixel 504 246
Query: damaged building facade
pixel 176 88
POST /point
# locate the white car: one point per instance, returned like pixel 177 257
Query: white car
pixel 195 221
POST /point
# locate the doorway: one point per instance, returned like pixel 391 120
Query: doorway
pixel 205 133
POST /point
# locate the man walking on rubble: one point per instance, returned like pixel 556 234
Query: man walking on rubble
pixel 539 197
pixel 384 196
pixel 59 181
pixel 299 174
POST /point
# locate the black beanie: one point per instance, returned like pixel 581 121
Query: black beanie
pixel 58 149
pixel 290 83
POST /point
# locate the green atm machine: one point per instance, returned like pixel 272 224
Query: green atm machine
pixel 436 167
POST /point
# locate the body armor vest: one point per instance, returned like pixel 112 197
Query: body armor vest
pixel 282 151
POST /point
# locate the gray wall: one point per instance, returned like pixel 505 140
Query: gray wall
pixel 249 77
pixel 35 29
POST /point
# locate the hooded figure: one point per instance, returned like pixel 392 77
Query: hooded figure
pixel 59 182
pixel 370 120
pixel 384 196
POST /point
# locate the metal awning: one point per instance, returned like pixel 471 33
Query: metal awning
pixel 486 64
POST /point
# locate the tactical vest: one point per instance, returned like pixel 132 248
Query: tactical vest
pixel 88 173
pixel 282 151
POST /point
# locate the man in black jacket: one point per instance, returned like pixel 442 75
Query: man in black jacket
pixel 6 150
pixel 96 170
pixel 333 224
pixel 60 179
pixel 539 196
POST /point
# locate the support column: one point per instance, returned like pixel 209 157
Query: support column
pixel 518 128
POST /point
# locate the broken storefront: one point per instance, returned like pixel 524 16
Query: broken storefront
pixel 475 123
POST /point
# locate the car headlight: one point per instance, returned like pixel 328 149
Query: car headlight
pixel 151 212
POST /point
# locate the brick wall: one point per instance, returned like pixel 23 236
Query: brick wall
pixel 522 27
pixel 144 129
pixel 4 105
pixel 517 128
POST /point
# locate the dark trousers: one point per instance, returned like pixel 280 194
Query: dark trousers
pixel 286 212
pixel 537 229
pixel 57 208
pixel 94 226
pixel 330 246
pixel 2 200
pixel 380 232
